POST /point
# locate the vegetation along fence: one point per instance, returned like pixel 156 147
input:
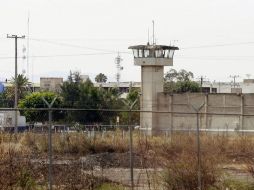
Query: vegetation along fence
pixel 57 148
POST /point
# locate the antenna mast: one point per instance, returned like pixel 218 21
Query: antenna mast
pixel 119 68
pixel 27 49
pixel 153 33
pixel 148 38
pixel 24 58
pixel 234 80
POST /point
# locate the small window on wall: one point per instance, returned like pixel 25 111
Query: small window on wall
pixel 214 90
pixel 236 90
pixel 206 89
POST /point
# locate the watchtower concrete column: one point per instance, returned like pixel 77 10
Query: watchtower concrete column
pixel 152 59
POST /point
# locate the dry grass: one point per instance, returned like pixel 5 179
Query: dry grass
pixel 177 155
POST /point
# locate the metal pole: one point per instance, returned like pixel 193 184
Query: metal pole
pixel 131 141
pixel 198 154
pixel 50 150
pixel 131 151
pixel 198 145
pixel 50 176
pixel 16 87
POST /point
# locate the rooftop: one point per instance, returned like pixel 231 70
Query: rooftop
pixel 155 47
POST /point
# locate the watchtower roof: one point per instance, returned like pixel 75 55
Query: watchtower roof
pixel 154 47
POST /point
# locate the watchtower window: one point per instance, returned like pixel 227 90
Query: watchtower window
pixel 135 52
pixel 146 53
pixel 159 53
pixel 140 53
pixel 155 51
pixel 169 53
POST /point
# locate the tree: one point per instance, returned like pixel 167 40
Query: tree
pixel 187 86
pixel 83 95
pixel 35 100
pixel 3 102
pixel 70 93
pixel 22 83
pixel 171 75
pixel 182 75
pixel 8 97
pixel 180 82
pixel 101 78
pixel 74 77
pixel 133 96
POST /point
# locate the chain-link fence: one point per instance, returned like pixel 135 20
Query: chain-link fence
pixel 95 149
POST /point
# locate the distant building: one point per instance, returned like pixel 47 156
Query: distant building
pixel 52 84
pixel 124 87
pixel 246 86
pixel 7 119
pixel 84 78
pixel 32 87
pixel 1 87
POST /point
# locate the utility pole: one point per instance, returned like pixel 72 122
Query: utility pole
pixel 202 79
pixel 234 77
pixel 16 37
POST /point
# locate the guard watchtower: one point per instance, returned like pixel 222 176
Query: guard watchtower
pixel 152 59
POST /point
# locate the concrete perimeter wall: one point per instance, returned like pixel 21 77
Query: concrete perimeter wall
pixel 219 111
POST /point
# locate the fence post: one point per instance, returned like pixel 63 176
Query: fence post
pixel 131 144
pixel 199 156
pixel 242 114
pixel 131 151
pixel 131 139
pixel 171 118
pixel 198 145
pixel 49 141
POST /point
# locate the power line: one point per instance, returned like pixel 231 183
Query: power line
pixel 110 50
pixel 89 39
pixel 74 45
pixel 60 55
pixel 210 58
pixel 219 45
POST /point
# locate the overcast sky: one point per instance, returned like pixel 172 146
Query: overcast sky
pixel 215 37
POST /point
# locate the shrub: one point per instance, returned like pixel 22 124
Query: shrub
pixel 181 172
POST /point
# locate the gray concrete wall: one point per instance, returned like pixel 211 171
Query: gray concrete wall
pixel 219 111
